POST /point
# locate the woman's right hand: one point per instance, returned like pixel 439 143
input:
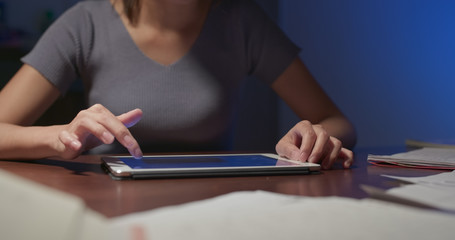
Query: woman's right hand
pixel 90 128
pixel 95 126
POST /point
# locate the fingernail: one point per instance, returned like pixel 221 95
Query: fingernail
pixel 138 153
pixel 75 145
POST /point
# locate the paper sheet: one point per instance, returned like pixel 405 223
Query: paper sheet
pixel 438 158
pixel 32 211
pixel 265 215
pixel 435 190
pixel 443 181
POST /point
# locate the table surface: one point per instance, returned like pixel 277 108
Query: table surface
pixel 84 177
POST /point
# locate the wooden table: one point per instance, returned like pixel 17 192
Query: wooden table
pixel 84 177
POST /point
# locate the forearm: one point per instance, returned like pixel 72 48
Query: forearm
pixel 17 142
pixel 341 128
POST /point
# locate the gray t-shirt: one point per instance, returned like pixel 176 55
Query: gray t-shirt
pixel 187 105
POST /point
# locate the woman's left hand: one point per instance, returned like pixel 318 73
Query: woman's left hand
pixel 306 142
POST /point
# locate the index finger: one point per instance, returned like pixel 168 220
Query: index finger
pixel 119 131
pixel 124 136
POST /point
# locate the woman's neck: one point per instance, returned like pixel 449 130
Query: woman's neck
pixel 169 15
pixel 166 30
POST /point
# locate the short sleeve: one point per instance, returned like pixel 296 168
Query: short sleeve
pixel 270 51
pixel 59 53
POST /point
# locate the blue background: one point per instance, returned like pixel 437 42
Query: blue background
pixel 388 64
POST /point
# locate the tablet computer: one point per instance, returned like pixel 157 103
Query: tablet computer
pixel 204 165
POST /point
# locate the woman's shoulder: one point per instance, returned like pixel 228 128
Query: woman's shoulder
pixel 84 16
pixel 92 5
pixel 89 8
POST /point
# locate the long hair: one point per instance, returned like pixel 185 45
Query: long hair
pixel 131 9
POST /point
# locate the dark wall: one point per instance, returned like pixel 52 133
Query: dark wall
pixel 388 64
pixel 21 24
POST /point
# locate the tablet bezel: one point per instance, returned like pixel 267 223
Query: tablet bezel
pixel 120 170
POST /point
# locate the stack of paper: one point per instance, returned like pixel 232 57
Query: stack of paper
pixel 434 158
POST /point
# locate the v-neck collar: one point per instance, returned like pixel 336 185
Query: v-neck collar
pixel 132 43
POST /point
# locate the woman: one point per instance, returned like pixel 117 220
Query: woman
pixel 177 65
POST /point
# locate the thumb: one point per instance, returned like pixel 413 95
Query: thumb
pixel 287 150
pixel 130 118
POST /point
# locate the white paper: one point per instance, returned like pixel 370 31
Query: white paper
pixel 444 181
pixel 32 211
pixel 425 157
pixel 265 215
pixel 428 154
pixel 435 190
pixel 443 200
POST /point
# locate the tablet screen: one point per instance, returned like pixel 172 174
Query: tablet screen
pixel 199 161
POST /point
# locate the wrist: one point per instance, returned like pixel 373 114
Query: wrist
pixel 50 143
pixel 35 142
